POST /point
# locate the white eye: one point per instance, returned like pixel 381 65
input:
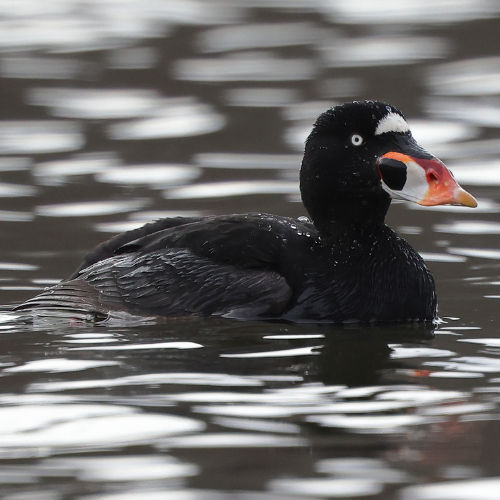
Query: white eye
pixel 356 140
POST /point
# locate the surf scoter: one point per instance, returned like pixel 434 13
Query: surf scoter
pixel 344 265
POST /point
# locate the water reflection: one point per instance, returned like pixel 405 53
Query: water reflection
pixel 247 161
pixel 95 103
pixel 413 11
pixel 471 77
pixel 89 208
pixel 85 427
pixel 454 490
pixel 127 468
pixel 381 51
pixel 35 137
pixel 234 188
pixel 475 110
pixel 157 176
pixel 173 120
pixel 346 379
pixel 106 103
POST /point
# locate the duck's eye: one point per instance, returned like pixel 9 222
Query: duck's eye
pixel 356 140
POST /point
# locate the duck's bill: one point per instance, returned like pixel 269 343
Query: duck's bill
pixel 425 181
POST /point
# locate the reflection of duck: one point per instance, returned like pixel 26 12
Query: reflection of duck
pixel 344 265
pixel 358 356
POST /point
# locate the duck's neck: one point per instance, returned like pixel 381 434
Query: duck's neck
pixel 350 217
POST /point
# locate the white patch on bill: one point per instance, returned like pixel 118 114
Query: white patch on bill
pixel 392 122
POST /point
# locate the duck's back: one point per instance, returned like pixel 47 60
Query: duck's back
pixel 233 266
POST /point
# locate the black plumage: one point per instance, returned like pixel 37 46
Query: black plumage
pixel 343 265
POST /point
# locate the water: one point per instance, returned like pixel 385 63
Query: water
pixel 116 113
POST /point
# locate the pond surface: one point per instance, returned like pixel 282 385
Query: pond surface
pixel 114 113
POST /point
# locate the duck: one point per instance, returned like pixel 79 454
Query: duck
pixel 341 264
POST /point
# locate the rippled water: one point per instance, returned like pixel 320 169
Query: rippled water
pixel 114 113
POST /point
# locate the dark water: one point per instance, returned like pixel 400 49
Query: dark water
pixel 116 113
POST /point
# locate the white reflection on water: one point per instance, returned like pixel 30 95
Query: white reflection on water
pixel 327 487
pixel 457 374
pixel 17 266
pixel 89 208
pixel 400 352
pixel 481 253
pixel 246 67
pixel 117 227
pixel 81 164
pixel 372 424
pixel 175 120
pixel 425 396
pixel 489 342
pixel 57 365
pixel 95 103
pixel 256 425
pixel 32 417
pixel 185 493
pixel 136 347
pixel 258 35
pixel 478 172
pixel 361 467
pixel 247 161
pixel 122 468
pixel 476 110
pixel 201 379
pixel 459 409
pixel 231 188
pixel 15 190
pixel 137 219
pixel 441 257
pixel 299 351
pixel 294 337
pixel 473 77
pixel 63 32
pixel 381 51
pixel 158 176
pixel 70 26
pixel 483 489
pixel 481 364
pixel 468 227
pixel 410 11
pixel 37 137
pixel 368 391
pixel 234 440
pixel 435 132
pixel 88 427
pixel 301 396
pixel 301 407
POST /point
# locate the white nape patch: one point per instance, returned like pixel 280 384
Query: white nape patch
pixel 392 123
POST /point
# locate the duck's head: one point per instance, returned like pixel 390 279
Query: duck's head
pixel 359 156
